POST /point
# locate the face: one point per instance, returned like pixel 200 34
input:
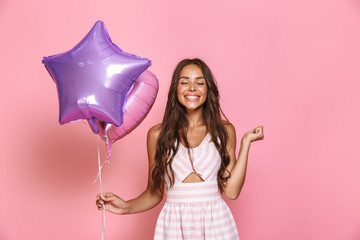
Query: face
pixel 192 88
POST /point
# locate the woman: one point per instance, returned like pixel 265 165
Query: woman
pixel 192 154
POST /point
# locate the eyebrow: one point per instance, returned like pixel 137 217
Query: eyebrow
pixel 189 78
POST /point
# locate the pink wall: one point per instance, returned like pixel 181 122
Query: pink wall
pixel 291 66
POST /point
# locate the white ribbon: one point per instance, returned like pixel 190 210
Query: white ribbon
pixel 101 187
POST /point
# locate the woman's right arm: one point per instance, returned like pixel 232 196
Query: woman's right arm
pixel 145 201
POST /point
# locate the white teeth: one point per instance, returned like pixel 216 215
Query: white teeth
pixel 191 97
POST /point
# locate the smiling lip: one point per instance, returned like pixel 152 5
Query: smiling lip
pixel 192 98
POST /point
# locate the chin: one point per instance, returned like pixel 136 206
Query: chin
pixel 193 108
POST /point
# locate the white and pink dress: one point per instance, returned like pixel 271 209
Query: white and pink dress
pixel 196 211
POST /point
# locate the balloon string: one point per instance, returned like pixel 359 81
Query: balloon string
pixel 101 187
pixel 98 176
pixel 109 148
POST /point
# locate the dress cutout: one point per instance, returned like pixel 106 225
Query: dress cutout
pixel 195 211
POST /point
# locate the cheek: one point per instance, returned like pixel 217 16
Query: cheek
pixel 178 92
pixel 204 91
pixel 205 94
pixel 180 89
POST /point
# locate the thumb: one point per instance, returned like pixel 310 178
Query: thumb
pixel 258 130
pixel 107 196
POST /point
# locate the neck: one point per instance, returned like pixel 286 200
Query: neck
pixel 195 118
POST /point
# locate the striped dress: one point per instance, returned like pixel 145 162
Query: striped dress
pixel 195 211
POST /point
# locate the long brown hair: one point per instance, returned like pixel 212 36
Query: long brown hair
pixel 175 123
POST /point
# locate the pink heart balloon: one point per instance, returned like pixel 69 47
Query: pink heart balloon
pixel 137 106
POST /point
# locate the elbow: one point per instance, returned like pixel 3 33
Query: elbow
pixel 233 192
pixel 156 194
pixel 232 195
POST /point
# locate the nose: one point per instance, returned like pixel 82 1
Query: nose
pixel 192 86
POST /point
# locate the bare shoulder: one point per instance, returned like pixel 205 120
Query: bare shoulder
pixel 229 127
pixel 154 132
pixel 152 138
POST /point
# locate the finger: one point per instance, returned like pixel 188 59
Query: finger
pixel 100 207
pixel 98 196
pixel 107 196
pixel 101 201
pixel 104 198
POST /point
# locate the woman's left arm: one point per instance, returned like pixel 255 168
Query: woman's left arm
pixel 237 168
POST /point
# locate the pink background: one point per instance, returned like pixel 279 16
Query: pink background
pixel 291 66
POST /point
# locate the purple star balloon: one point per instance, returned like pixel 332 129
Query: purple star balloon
pixel 94 78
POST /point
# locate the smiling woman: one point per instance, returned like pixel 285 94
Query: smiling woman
pixel 192 155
